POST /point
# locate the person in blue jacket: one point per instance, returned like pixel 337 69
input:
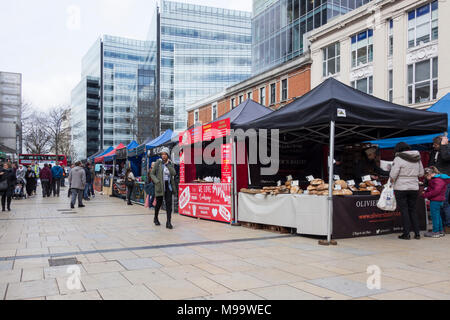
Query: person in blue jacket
pixel 57 173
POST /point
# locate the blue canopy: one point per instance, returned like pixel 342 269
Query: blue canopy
pixel 103 153
pixel 442 106
pixel 132 145
pixel 166 137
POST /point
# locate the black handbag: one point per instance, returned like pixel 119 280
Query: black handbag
pixel 3 185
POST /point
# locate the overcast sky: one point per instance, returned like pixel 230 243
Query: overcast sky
pixel 45 41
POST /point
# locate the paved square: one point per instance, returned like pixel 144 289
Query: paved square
pixel 124 256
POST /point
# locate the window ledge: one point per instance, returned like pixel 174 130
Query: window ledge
pixel 361 66
pixel 335 75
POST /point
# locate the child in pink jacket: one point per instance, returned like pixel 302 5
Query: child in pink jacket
pixel 437 186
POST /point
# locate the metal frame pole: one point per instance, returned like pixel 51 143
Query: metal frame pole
pixel 330 181
pixel 234 186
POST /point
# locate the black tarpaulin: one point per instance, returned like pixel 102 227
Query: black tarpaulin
pixel 357 116
pixel 245 112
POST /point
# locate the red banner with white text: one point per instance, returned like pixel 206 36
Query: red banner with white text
pixel 206 201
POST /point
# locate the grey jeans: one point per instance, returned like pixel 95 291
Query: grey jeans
pixel 77 193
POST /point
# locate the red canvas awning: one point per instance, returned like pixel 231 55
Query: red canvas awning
pixel 100 159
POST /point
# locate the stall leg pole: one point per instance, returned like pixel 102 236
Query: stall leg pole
pixel 330 185
pixel 234 221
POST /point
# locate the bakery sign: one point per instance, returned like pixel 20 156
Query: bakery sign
pixel 206 201
pixel 359 216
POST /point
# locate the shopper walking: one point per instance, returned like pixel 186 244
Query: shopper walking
pixel 57 174
pixel 77 183
pixel 46 180
pixel 405 173
pixel 36 170
pixel 435 192
pixel 129 182
pixel 440 158
pixel 31 179
pixel 7 184
pixel 86 192
pixel 162 175
pixel 150 188
pixel 63 178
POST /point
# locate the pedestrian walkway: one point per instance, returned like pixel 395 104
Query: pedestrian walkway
pixel 122 255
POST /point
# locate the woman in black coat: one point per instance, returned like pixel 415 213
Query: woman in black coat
pixel 7 174
pixel 30 177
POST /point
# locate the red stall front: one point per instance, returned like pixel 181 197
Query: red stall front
pixel 206 178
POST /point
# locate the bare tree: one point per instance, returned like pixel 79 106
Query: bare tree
pixel 57 128
pixel 35 136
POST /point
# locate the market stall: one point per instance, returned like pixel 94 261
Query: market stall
pixel 99 172
pixel 207 179
pixel 108 169
pixel 330 117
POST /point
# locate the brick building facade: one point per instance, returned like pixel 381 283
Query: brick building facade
pixel 274 88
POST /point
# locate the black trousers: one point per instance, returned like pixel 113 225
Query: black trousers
pixel 6 199
pixel 406 202
pixel 46 190
pixel 129 192
pixel 56 186
pixel 168 199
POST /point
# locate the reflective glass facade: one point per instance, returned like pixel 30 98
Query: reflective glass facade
pixel 279 26
pixel 10 111
pixel 203 51
pixel 116 102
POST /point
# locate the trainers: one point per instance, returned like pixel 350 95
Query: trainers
pixel 405 237
pixel 442 234
pixel 432 235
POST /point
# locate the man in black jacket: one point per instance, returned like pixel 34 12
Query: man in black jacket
pixel 87 169
pixel 440 158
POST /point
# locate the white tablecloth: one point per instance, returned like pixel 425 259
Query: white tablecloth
pixel 308 214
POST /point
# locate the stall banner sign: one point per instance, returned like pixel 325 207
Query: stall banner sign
pixel 359 216
pixel 138 194
pixel 197 135
pixel 206 201
pixel 98 184
pixel 182 169
pixel 222 128
pixel 227 175
pixel 107 182
pixel 186 138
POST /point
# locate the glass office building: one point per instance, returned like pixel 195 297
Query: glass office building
pixel 203 50
pixel 116 101
pixel 279 27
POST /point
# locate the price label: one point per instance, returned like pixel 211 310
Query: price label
pixel 279 183
pixel 295 183
pixel 310 178
pixel 289 178
pixel 337 187
pixel 351 182
pixel 366 178
pixel 336 178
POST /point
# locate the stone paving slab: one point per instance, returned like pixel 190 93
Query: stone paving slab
pixel 32 289
pixel 116 246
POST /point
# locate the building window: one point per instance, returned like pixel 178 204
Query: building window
pixel 391 86
pixel 391 38
pixel 365 85
pixel 362 48
pixel 196 116
pixel 284 90
pixel 214 112
pixel 233 103
pixel 423 81
pixel 423 24
pixel 273 93
pixel 249 95
pixel 331 59
pixel 262 96
pixel 241 99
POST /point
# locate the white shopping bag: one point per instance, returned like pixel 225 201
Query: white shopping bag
pixel 387 200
